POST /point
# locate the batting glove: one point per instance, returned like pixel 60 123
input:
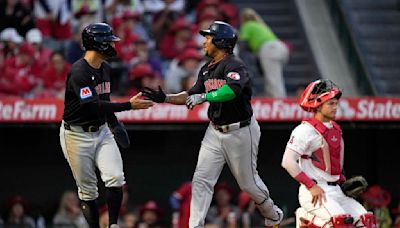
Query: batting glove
pixel 194 100
pixel 154 95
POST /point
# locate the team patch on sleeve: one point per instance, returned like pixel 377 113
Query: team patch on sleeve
pixel 233 75
pixel 85 92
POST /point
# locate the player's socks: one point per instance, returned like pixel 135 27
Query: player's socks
pixel 91 212
pixel 114 199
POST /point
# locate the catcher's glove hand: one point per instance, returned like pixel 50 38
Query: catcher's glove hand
pixel 121 135
pixel 154 95
pixel 354 186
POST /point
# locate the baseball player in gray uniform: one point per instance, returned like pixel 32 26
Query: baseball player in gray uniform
pixel 233 134
pixel 86 140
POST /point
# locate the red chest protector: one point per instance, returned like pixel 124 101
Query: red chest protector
pixel 328 157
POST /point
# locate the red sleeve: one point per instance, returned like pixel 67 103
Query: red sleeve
pixel 304 179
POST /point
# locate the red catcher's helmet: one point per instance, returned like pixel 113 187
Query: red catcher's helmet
pixel 317 93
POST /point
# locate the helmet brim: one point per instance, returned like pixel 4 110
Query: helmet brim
pixel 112 38
pixel 206 32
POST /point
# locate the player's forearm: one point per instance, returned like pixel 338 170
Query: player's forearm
pixel 289 162
pixel 108 107
pixel 177 99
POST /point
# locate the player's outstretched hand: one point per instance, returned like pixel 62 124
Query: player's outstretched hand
pixel 138 103
pixel 318 195
pixel 154 95
pixel 194 100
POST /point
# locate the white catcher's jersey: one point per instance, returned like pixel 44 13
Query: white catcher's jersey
pixel 305 139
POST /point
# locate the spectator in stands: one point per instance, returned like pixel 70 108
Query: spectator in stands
pixel 17 213
pixel 74 49
pixel 164 12
pixel 180 203
pixel 272 53
pixel 176 39
pixel 15 15
pixel 204 21
pixel 21 73
pixel 223 213
pixel 184 67
pixel 396 213
pixel 377 199
pixel 150 215
pixel 133 21
pixel 144 55
pixel 250 216
pixel 129 220
pixel 42 54
pixel 207 7
pixel 126 47
pixel 229 12
pixel 53 19
pixel 54 76
pixel 69 213
pixel 10 40
pixel 141 76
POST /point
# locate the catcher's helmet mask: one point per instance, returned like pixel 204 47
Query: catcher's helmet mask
pixel 99 37
pixel 317 93
pixel 224 35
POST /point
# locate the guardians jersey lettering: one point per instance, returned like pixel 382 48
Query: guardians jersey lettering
pixel 231 71
pixel 214 84
pixel 86 85
pixel 103 88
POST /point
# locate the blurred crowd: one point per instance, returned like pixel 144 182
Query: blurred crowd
pixel 160 43
pixel 229 209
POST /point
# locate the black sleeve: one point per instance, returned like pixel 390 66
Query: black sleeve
pixel 82 86
pixel 198 87
pixel 108 107
pixel 236 76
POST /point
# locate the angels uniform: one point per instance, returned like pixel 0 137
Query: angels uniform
pixel 319 150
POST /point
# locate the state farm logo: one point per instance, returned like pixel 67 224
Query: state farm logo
pixel 345 110
pixel 23 111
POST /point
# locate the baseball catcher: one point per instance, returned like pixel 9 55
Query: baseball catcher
pixel 314 157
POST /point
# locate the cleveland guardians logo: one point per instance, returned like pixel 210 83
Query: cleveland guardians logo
pixel 233 75
pixel 85 92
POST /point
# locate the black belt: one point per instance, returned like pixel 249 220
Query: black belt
pixel 233 126
pixel 327 182
pixel 85 128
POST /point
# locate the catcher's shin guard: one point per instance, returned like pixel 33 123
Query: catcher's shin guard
pixel 342 221
pixel 369 220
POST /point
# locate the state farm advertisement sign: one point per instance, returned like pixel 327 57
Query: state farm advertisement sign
pixel 15 110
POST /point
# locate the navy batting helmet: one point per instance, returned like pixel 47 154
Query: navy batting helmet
pixel 224 35
pixel 98 37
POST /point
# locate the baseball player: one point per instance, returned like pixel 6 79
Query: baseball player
pixel 314 157
pixel 233 134
pixel 86 140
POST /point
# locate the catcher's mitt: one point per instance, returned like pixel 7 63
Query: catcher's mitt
pixel 121 135
pixel 354 186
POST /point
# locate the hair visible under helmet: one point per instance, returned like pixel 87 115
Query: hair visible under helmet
pixel 317 93
pixel 99 37
pixel 224 35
